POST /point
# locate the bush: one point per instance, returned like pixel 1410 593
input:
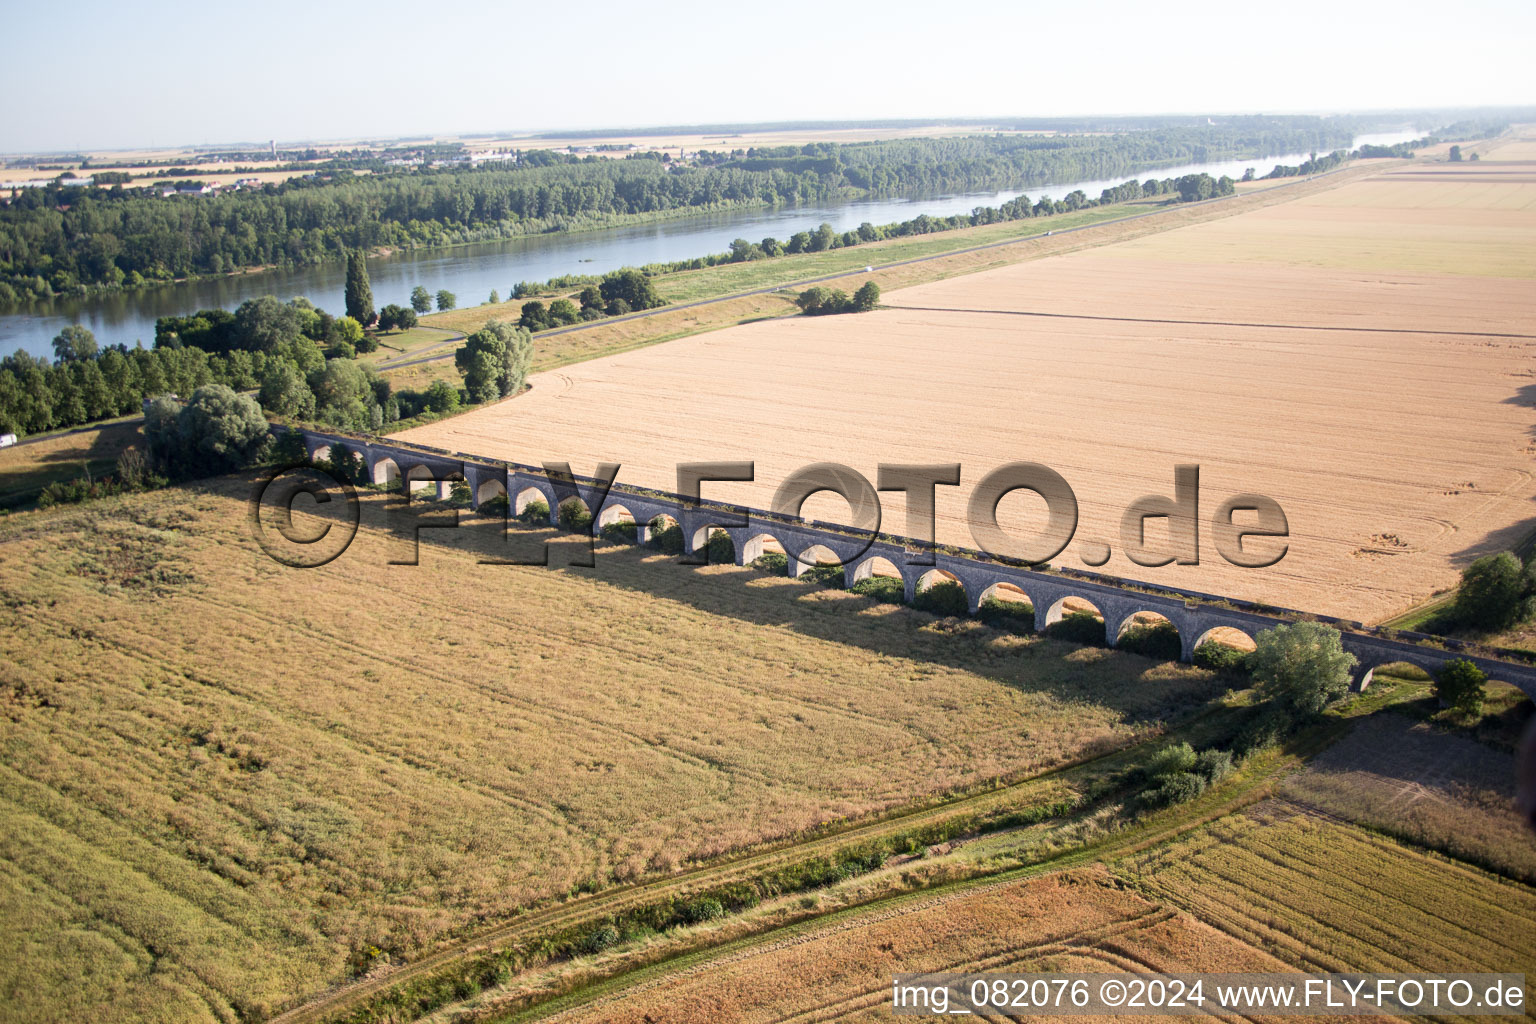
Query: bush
pixel 1219 657
pixel 946 597
pixel 1175 789
pixel 1159 641
pixel 1459 685
pixel 1172 760
pixel 825 576
pixel 668 541
pixel 886 589
pixel 573 516
pixel 720 550
pixel 705 908
pixel 602 937
pixel 1000 614
pixel 1269 727
pixel 774 563
pixel 621 532
pixel 1083 628
pixel 1213 765
pixel 535 512
pixel 496 508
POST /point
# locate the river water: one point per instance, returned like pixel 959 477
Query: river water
pixel 472 271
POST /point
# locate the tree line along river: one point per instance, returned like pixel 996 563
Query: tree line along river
pixel 472 271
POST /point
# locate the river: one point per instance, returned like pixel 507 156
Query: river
pixel 472 271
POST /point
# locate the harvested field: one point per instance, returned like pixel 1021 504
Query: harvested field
pixel 1389 413
pixel 227 784
pixel 841 970
pixel 1431 788
pixel 1327 896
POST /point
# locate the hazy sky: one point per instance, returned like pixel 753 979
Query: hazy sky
pixel 95 74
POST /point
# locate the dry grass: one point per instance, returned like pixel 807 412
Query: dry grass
pixel 27 468
pixel 1431 788
pixel 1326 896
pixel 222 778
pixel 841 970
pixel 1397 456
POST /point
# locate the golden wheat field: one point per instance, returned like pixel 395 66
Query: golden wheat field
pixel 1076 921
pixel 1324 895
pixel 228 784
pixel 1340 353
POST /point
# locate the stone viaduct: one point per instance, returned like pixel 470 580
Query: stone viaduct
pixel 807 543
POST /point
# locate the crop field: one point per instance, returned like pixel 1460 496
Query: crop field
pixel 1327 896
pixel 228 784
pixel 1434 789
pixel 1388 411
pixel 841 970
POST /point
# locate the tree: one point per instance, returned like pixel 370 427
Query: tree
pixel 260 324
pixel 1459 685
pixel 285 392
pixel 359 291
pixel 494 360
pixel 442 397
pixel 397 318
pixel 632 286
pixel 219 430
pixel 345 390
pixel 1455 154
pixel 535 316
pixel 74 342
pixel 495 298
pixel 345 337
pixel 446 300
pixel 591 297
pixel 1495 594
pixel 866 298
pixel 1302 666
pixel 421 299
pixel 563 311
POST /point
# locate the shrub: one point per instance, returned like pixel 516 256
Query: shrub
pixel 946 597
pixel 1459 685
pixel 288 449
pixel 1000 614
pixel 1157 640
pixel 1213 765
pixel 535 512
pixel 886 589
pixel 601 938
pixel 1083 628
pixel 1220 657
pixel 1268 727
pixel 1175 789
pixel 1172 760
pixel 459 494
pixel 705 908
pixel 573 516
pixel 825 576
pixel 496 508
pixel 721 550
pixel 774 563
pixel 621 532
pixel 668 541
